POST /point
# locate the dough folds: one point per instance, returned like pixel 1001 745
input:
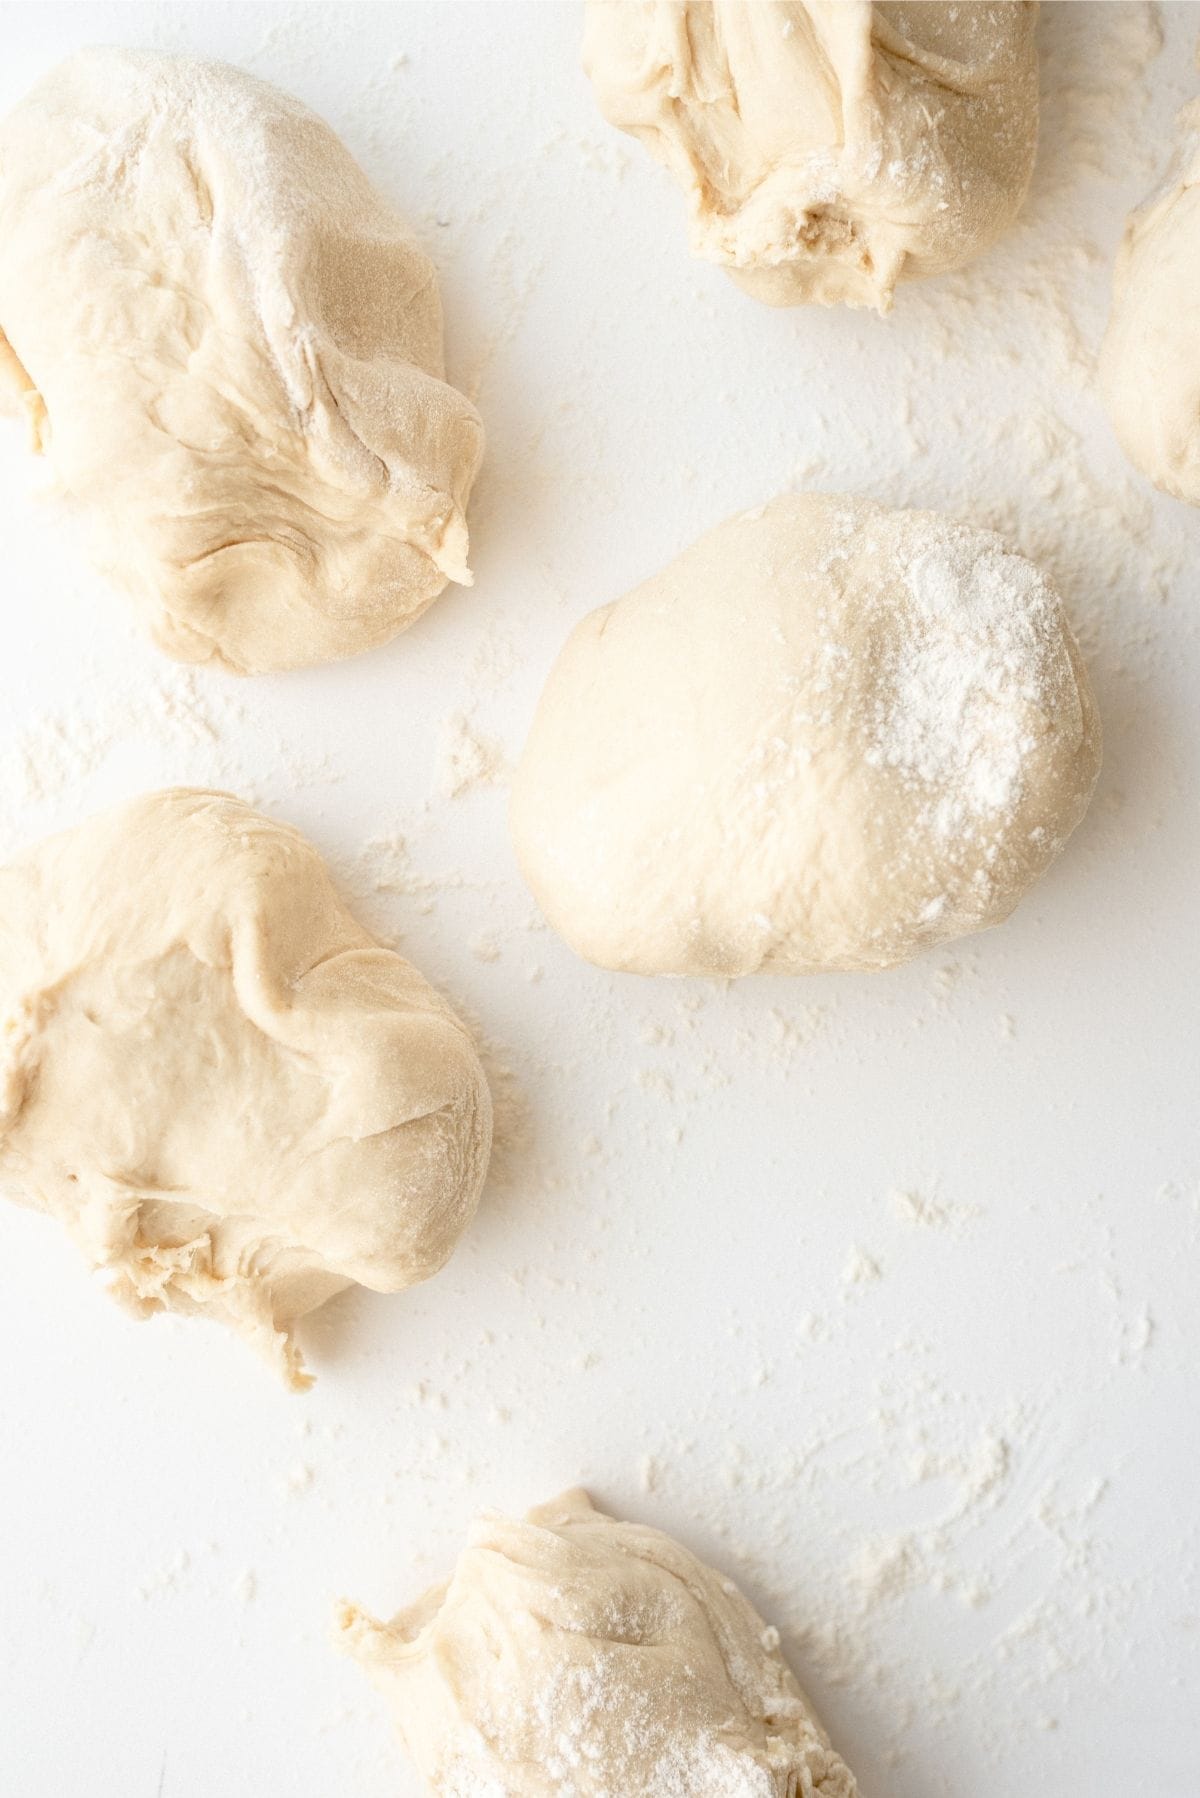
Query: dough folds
pixel 825 737
pixel 829 149
pixel 1150 363
pixel 572 1656
pixel 236 1099
pixel 231 349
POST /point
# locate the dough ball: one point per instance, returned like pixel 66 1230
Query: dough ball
pixel 236 1099
pixel 826 736
pixel 828 151
pixel 1150 363
pixel 231 349
pixel 574 1654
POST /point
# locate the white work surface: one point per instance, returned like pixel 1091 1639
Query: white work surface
pixel 880 1292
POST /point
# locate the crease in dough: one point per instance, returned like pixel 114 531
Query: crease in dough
pixel 236 1100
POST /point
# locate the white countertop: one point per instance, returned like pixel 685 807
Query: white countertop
pixel 949 1441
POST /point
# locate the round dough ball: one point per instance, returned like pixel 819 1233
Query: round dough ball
pixel 828 150
pixel 236 1099
pixel 231 349
pixel 574 1654
pixel 826 736
pixel 1150 363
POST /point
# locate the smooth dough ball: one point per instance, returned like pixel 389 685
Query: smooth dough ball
pixel 828 150
pixel 1150 363
pixel 571 1656
pixel 231 349
pixel 828 735
pixel 235 1098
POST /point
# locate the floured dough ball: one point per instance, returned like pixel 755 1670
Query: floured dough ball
pixel 1150 363
pixel 236 1099
pixel 826 736
pixel 828 150
pixel 231 349
pixel 571 1656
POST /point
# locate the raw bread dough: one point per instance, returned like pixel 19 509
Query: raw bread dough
pixel 571 1656
pixel 231 349
pixel 827 735
pixel 829 149
pixel 1150 363
pixel 236 1099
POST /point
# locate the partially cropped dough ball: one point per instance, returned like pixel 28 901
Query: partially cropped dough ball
pixel 1150 364
pixel 571 1656
pixel 236 1099
pixel 826 736
pixel 231 349
pixel 829 149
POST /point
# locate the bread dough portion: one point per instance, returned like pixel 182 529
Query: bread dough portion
pixel 572 1656
pixel 830 149
pixel 236 1099
pixel 231 349
pixel 826 736
pixel 1150 363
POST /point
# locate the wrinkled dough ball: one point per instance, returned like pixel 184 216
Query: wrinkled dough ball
pixel 1150 363
pixel 231 350
pixel 831 149
pixel 826 736
pixel 236 1099
pixel 574 1654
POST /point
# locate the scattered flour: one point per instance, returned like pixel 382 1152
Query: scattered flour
pixel 468 760
pixel 925 1212
pixel 56 753
pixel 861 1269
